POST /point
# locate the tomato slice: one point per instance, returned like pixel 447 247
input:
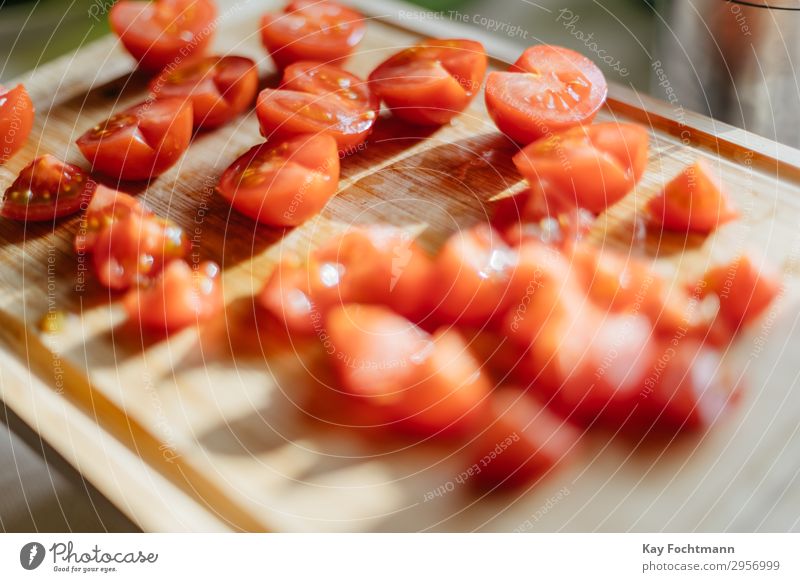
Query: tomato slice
pixel 431 82
pixel 220 88
pixel 283 184
pixel 16 120
pixel 181 296
pixel 522 442
pixel 693 201
pixel 141 142
pixel 584 167
pixel 320 79
pixel 47 189
pixel 548 90
pixel 133 249
pixel 424 385
pixel 107 205
pixel 164 32
pixel 321 31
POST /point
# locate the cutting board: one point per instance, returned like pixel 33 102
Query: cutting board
pixel 228 427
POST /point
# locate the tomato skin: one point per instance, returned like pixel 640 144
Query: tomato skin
pixel 326 32
pixel 140 142
pixel 219 87
pixel 107 205
pixel 181 296
pixel 693 201
pixel 47 189
pixel 548 90
pixel 285 183
pixel 16 120
pixel 585 167
pixel 159 33
pixel 522 442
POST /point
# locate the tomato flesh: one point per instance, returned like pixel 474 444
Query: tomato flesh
pixel 107 205
pixel 164 32
pixel 47 189
pixel 548 90
pixel 283 183
pixel 220 88
pixel 16 120
pixel 140 142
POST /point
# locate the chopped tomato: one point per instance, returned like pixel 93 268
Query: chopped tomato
pixel 141 142
pixel 164 32
pixel 521 443
pixel 47 189
pixel 431 82
pixel 16 120
pixel 321 79
pixel 548 90
pixel 424 385
pixel 107 205
pixel 134 249
pixel 312 30
pixel 220 88
pixel 585 167
pixel 283 183
pixel 181 296
pixel 693 201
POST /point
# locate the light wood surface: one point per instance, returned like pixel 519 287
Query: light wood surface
pixel 209 429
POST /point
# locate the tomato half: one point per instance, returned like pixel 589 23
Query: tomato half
pixel 285 183
pixel 320 31
pixel 164 32
pixel 181 296
pixel 585 167
pixel 220 88
pixel 548 90
pixel 16 120
pixel 693 201
pixel 141 142
pixel 431 82
pixel 107 205
pixel 521 443
pixel 47 189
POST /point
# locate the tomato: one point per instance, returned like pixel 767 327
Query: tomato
pixel 181 296
pixel 107 205
pixel 315 99
pixel 584 167
pixel 521 443
pixel 548 90
pixel 321 31
pixel 134 248
pixel 47 189
pixel 164 32
pixel 283 184
pixel 423 384
pixel 220 88
pixel 141 142
pixel 377 264
pixel 472 273
pixel 431 82
pixel 693 201
pixel 16 120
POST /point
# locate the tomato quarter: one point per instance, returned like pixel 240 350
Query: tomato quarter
pixel 16 120
pixel 107 205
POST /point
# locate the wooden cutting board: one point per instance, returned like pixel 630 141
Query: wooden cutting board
pixel 211 430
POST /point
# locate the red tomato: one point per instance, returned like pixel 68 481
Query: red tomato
pixel 16 120
pixel 521 443
pixel 283 184
pixel 181 296
pixel 472 273
pixel 141 142
pixel 47 189
pixel 220 88
pixel 424 385
pixel 586 167
pixel 164 32
pixel 133 249
pixel 320 79
pixel 107 205
pixel 321 31
pixel 548 90
pixel 432 82
pixel 693 201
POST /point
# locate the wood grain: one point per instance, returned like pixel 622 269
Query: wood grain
pixel 211 428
